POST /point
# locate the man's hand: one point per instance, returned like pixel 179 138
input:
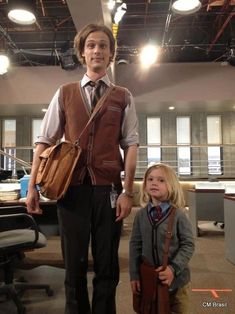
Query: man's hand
pixel 124 205
pixel 32 201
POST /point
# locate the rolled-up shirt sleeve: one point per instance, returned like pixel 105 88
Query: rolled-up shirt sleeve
pixel 130 134
pixel 52 127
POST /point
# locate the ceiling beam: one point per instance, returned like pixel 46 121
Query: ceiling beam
pixel 89 11
pixel 218 3
pixel 221 30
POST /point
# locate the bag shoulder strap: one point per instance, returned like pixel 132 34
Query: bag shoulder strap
pixel 168 236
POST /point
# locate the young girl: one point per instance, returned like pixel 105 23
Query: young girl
pixel 162 188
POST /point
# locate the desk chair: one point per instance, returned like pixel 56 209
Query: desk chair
pixel 221 224
pixel 18 233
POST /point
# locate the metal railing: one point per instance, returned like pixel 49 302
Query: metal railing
pixel 200 167
pixel 11 162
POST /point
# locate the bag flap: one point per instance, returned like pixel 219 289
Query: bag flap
pixel 49 150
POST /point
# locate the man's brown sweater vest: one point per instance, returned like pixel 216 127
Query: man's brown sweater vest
pixel 100 142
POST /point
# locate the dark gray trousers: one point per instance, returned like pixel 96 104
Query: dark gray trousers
pixel 85 214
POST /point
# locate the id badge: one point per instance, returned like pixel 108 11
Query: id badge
pixel 113 197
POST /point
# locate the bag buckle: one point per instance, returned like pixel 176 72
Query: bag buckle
pixel 77 143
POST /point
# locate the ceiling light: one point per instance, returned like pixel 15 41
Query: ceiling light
pixel 111 5
pixel 121 10
pixel 122 61
pixel 4 64
pixel 22 11
pixel 186 6
pixel 149 55
pixel 171 108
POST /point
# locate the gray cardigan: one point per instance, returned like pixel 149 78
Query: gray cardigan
pixel 144 233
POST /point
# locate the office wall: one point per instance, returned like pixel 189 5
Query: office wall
pixel 26 90
pixel 177 82
pixel 183 82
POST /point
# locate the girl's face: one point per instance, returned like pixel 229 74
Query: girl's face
pixel 156 186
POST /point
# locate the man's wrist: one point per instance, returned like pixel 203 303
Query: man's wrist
pixel 128 193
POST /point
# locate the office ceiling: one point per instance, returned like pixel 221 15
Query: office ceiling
pixel 42 42
pixel 208 35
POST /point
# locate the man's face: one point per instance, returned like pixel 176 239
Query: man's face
pixel 97 51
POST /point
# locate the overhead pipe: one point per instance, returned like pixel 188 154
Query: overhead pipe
pixel 167 23
pixel 224 7
pixel 42 7
pixel 13 45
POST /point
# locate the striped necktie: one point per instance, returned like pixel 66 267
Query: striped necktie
pixel 95 95
pixel 157 213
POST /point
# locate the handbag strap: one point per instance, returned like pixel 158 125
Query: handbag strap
pixel 96 109
pixel 168 237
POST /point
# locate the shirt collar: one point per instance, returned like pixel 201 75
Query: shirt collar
pixel 164 206
pixel 86 80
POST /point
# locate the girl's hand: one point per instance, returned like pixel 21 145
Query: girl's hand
pixel 166 276
pixel 135 286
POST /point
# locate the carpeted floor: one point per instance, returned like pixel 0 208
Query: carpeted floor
pixel 213 277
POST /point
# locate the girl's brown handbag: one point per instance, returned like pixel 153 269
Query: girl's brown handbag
pixel 155 296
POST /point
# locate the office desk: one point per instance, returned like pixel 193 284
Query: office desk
pixel 22 203
pixel 47 222
pixel 229 230
pixel 205 205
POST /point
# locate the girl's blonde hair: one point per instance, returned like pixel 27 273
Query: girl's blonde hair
pixel 175 192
